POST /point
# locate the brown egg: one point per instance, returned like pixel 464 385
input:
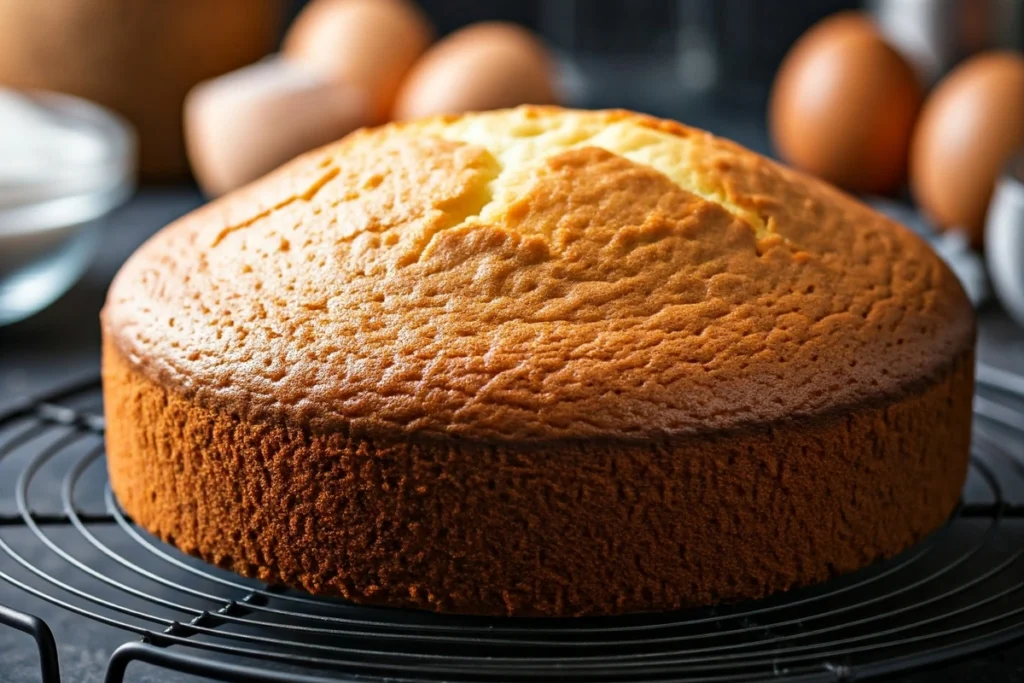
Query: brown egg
pixel 369 44
pixel 483 66
pixel 843 106
pixel 969 128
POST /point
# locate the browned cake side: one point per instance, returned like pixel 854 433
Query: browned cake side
pixel 563 528
pixel 538 362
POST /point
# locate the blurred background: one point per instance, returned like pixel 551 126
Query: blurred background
pixel 118 116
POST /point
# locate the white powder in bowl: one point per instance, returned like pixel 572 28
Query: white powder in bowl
pixel 64 162
pixel 37 143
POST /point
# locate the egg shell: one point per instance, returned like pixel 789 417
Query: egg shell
pixel 247 123
pixel 843 106
pixel 370 44
pixel 969 128
pixel 489 65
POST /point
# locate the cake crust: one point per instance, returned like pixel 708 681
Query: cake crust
pixel 555 529
pixel 538 362
pixel 411 280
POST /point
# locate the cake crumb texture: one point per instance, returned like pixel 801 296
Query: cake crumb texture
pixel 538 362
pixel 566 529
pixel 536 273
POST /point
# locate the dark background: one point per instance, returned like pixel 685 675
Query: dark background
pixel 753 34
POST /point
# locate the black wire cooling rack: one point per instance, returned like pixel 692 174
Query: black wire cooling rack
pixel 960 591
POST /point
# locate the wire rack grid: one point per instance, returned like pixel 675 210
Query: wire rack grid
pixel 65 541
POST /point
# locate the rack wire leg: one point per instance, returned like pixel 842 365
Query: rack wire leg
pixel 49 665
pixel 139 651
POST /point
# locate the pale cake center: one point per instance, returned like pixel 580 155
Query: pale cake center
pixel 521 143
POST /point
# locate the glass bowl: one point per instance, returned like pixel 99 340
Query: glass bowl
pixel 51 202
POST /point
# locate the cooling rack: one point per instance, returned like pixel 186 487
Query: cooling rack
pixel 958 592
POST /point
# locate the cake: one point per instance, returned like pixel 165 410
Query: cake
pixel 537 362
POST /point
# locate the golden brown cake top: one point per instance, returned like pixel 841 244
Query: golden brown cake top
pixel 537 273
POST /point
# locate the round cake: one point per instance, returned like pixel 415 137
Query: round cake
pixel 537 362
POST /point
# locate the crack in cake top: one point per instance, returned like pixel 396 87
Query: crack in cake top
pixel 537 273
